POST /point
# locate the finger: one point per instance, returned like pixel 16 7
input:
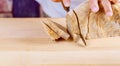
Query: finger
pixel 66 3
pixel 94 5
pixel 107 7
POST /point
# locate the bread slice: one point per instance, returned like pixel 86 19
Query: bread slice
pixel 50 32
pixel 77 21
pixel 58 29
pixel 72 26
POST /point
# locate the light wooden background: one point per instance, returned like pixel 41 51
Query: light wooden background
pixel 24 42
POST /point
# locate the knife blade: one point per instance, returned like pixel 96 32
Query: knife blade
pixel 82 37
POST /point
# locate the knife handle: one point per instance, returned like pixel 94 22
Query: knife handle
pixel 67 9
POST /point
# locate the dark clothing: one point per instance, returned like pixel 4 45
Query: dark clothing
pixel 25 8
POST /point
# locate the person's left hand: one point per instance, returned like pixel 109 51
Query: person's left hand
pixel 105 3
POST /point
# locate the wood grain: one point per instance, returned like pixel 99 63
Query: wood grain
pixel 24 42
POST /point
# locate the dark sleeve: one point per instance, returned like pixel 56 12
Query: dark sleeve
pixel 25 8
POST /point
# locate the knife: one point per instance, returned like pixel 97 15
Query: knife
pixel 67 9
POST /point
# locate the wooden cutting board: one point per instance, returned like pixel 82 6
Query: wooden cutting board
pixel 25 42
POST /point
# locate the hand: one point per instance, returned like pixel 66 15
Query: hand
pixel 66 2
pixel 105 3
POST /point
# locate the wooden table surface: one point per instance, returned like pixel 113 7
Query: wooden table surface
pixel 24 41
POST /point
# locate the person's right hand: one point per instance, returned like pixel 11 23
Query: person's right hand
pixel 66 2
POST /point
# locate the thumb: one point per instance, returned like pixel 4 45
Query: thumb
pixel 66 2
